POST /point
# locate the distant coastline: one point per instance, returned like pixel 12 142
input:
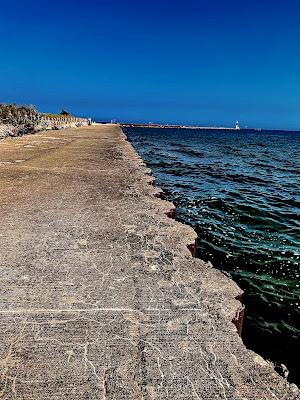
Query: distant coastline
pixel 173 126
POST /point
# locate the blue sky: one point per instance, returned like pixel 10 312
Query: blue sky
pixel 204 62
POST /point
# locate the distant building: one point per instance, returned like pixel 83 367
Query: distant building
pixel 65 113
pixel 237 126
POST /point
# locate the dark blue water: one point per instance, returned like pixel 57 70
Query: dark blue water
pixel 240 190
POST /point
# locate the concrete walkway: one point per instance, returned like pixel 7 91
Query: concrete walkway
pixel 100 297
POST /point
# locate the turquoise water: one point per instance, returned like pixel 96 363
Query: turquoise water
pixel 240 190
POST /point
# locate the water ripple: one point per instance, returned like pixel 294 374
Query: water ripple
pixel 240 191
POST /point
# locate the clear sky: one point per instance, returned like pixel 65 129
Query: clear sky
pixel 188 61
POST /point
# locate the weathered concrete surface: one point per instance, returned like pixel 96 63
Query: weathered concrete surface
pixel 100 297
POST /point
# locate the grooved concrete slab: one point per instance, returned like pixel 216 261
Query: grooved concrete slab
pixel 99 296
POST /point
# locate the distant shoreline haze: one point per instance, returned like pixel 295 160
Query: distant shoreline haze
pixel 190 124
pixel 151 122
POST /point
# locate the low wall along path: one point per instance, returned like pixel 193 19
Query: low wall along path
pixel 62 121
pixel 100 296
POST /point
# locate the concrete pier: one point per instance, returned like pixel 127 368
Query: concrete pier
pixel 100 298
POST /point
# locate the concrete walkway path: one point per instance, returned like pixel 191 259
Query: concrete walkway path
pixel 99 296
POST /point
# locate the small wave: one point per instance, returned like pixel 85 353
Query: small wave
pixel 240 193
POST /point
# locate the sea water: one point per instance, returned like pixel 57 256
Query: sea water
pixel 240 190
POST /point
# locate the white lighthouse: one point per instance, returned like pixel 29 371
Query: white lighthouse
pixel 237 126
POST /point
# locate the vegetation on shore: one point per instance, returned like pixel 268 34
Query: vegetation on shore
pixel 63 113
pixel 17 120
pixel 12 114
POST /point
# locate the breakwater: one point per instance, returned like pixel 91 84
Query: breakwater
pixel 170 126
pixel 100 296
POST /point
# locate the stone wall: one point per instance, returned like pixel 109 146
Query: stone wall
pixel 48 122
